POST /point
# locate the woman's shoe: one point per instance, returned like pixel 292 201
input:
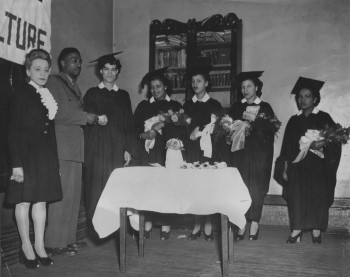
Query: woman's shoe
pixel 209 237
pixel 45 261
pixel 28 263
pixel 296 238
pixel 194 236
pixel 254 237
pixel 316 240
pixel 164 235
pixel 240 237
pixel 147 234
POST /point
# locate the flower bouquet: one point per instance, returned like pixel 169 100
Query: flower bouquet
pixel 174 157
pixel 176 118
pixel 237 129
pixel 334 134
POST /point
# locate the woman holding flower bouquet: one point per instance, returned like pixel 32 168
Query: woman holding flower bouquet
pixel 203 111
pixel 110 143
pixel 254 161
pixel 35 176
pixel 310 172
pixel 158 120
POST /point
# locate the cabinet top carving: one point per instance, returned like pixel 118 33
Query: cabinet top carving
pixel 216 22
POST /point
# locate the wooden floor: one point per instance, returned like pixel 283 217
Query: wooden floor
pixel 268 256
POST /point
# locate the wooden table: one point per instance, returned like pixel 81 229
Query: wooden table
pixel 182 191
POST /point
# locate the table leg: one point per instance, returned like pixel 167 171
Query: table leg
pixel 231 241
pixel 141 233
pixel 122 240
pixel 224 245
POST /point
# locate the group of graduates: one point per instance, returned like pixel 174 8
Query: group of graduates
pixel 46 168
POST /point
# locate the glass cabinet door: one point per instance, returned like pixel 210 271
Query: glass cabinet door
pixel 215 48
pixel 170 51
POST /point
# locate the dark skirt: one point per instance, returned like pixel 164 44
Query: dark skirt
pixel 41 178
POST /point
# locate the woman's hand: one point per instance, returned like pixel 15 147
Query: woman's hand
pixel 127 158
pixel 284 173
pixel 157 126
pixel 17 174
pixel 194 134
pixel 151 134
pixel 317 145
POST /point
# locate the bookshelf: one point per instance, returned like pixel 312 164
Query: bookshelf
pixel 216 40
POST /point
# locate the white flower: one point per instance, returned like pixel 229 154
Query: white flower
pixel 49 102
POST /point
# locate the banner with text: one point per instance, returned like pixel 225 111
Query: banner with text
pixel 24 24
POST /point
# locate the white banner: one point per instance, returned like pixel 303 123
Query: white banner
pixel 24 24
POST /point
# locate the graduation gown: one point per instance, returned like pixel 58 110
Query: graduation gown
pixel 147 109
pixel 309 191
pixel 200 114
pixel 105 145
pixel 32 145
pixel 254 162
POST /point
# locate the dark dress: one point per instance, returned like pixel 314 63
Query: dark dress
pixel 146 110
pixel 200 114
pixel 309 191
pixel 105 145
pixel 32 145
pixel 254 162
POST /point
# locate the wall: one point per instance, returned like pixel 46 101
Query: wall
pixel 90 30
pixel 285 38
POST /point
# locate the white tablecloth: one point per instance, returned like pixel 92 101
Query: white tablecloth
pixel 181 191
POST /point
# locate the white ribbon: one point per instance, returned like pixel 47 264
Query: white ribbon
pixel 238 136
pixel 205 141
pixel 305 142
pixel 149 143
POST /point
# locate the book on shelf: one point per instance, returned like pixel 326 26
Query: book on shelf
pixel 170 58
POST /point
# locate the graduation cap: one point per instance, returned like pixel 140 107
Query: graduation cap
pixel 106 57
pixel 202 69
pixel 249 75
pixel 311 84
pixel 157 72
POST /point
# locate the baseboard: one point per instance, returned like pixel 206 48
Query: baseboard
pixel 275 212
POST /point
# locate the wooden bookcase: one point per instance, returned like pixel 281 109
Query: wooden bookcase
pixel 216 40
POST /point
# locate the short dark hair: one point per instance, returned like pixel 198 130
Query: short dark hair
pixel 206 77
pixel 64 53
pixel 257 82
pixel 160 77
pixel 37 54
pixel 109 60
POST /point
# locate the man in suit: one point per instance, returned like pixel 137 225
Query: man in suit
pixel 60 236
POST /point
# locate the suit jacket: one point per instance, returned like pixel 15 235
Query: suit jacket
pixel 69 119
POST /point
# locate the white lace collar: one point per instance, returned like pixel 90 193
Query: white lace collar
pixel 102 85
pixel 314 111
pixel 205 98
pixel 167 98
pixel 256 101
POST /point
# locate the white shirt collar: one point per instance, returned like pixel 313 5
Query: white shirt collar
pixel 314 111
pixel 35 85
pixel 102 85
pixel 256 101
pixel 167 98
pixel 204 99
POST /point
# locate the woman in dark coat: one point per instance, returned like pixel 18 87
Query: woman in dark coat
pixel 110 144
pixel 311 180
pixel 201 109
pixel 254 161
pixel 160 133
pixel 35 176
